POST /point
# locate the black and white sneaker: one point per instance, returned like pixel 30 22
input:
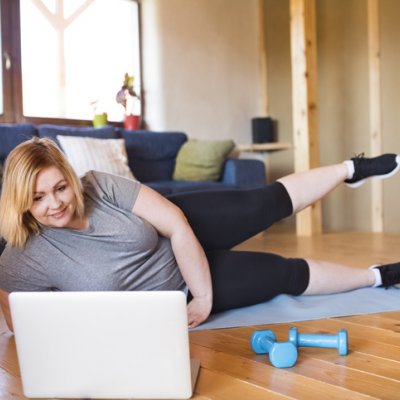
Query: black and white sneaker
pixel 380 167
pixel 390 274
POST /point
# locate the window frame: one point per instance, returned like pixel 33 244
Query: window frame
pixel 11 47
pixel 12 77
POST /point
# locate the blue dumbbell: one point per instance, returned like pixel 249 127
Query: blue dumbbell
pixel 339 341
pixel 281 354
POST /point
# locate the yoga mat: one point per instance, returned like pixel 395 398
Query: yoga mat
pixel 285 308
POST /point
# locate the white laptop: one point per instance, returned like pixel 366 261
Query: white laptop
pixel 108 345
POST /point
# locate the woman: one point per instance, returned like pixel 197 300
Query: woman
pixel 110 233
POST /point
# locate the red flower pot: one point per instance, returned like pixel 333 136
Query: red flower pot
pixel 132 122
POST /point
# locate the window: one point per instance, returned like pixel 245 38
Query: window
pixel 74 55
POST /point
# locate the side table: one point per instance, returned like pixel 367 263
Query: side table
pixel 263 149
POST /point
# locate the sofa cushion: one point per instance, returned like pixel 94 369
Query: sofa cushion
pixel 202 160
pixel 51 131
pixel 12 135
pixel 151 155
pixel 104 155
pixel 162 187
pixel 246 173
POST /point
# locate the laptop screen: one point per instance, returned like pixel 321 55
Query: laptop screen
pixel 102 344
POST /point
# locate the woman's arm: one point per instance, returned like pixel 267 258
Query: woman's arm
pixel 170 222
pixel 5 306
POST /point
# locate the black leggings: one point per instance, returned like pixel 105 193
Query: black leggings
pixel 222 219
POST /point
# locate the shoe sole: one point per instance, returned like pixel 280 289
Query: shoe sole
pixel 391 173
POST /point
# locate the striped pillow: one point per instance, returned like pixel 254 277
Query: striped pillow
pixel 103 155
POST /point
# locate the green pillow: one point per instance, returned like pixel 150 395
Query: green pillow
pixel 201 160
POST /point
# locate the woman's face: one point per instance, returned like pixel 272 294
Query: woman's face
pixel 54 202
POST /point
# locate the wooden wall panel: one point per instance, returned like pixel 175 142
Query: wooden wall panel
pixel 305 102
pixel 375 109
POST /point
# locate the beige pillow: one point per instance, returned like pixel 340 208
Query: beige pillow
pixel 202 160
pixel 103 155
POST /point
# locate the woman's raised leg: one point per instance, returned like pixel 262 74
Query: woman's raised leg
pixel 305 188
pixel 222 219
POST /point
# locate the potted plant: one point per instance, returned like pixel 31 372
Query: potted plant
pixel 130 100
pixel 99 117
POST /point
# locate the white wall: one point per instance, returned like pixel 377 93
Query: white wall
pixel 201 67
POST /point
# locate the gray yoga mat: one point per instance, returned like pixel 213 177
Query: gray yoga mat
pixel 284 308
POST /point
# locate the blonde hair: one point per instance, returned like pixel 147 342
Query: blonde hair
pixel 22 167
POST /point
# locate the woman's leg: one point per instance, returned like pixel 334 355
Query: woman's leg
pixel 327 277
pixel 221 219
pixel 305 188
pixel 225 218
pixel 242 278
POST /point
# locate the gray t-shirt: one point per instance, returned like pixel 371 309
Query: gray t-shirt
pixel 119 250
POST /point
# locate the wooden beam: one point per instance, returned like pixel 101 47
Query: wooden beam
pixel 305 111
pixel 262 51
pixel 375 110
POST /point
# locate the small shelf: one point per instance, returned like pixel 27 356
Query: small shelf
pixel 263 147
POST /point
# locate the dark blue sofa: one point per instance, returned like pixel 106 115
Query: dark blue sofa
pixel 151 156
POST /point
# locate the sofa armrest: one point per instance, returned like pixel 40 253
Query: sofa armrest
pixel 244 173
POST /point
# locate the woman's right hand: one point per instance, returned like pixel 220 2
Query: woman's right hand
pixel 198 310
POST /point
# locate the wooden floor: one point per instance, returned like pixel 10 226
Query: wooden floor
pixel 229 368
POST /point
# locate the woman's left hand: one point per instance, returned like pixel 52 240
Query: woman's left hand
pixel 198 310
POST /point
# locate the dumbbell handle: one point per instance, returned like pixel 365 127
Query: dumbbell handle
pixel 316 340
pixel 262 341
pixel 339 341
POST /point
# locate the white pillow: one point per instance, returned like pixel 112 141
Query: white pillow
pixel 103 155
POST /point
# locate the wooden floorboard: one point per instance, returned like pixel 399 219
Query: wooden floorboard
pixel 230 370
